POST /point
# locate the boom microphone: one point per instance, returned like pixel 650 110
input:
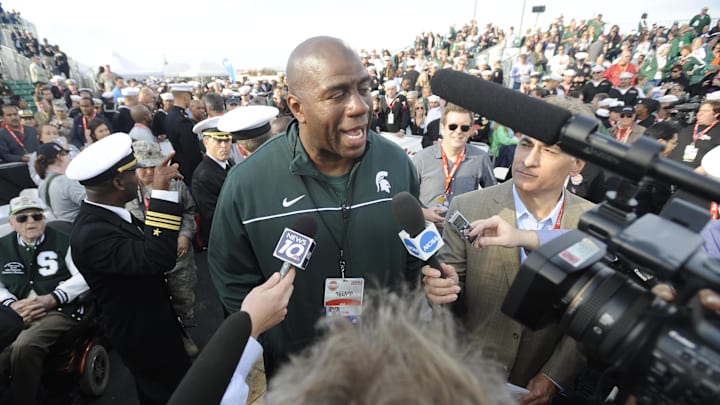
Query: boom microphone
pixel 207 380
pixel 575 134
pixel 527 115
pixel 296 244
pixel 421 240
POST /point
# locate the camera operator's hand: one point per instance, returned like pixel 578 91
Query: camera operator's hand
pixel 710 299
pixel 441 290
pixel 495 231
pixel 542 391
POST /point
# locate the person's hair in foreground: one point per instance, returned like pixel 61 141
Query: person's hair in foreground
pixel 392 357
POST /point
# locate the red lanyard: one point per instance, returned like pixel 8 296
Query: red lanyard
pixel 697 135
pixel 18 140
pixel 85 121
pixel 560 215
pixel 391 105
pixel 449 174
pixel 622 134
pixel 713 210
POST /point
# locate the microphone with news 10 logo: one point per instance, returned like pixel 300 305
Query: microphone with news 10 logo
pixel 425 244
pixel 294 248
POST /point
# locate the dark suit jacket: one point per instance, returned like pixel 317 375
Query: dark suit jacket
pixel 184 141
pixel 400 111
pixel 486 275
pixel 122 120
pixel 207 181
pixel 124 265
pixel 11 151
pixel 77 136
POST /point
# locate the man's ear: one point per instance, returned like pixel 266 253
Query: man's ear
pixel 577 166
pixel 295 106
pixel 241 149
pixel 118 183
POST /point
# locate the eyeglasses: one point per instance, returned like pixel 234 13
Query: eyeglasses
pixel 463 128
pixel 38 216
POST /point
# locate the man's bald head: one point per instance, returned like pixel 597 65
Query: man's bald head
pixel 307 58
pixel 140 113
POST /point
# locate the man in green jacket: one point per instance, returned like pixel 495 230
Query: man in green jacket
pixel 39 281
pixel 328 164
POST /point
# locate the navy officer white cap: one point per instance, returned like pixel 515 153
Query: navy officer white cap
pixel 247 122
pixel 182 87
pixel 208 127
pixel 130 91
pixel 167 97
pixel 103 160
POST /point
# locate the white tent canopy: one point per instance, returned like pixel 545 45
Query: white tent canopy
pixel 128 68
pixel 201 69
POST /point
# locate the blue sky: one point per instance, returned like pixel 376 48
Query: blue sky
pixel 257 33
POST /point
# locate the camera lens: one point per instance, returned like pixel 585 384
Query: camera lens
pixel 604 307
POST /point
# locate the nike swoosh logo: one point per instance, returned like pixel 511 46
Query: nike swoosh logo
pixel 287 203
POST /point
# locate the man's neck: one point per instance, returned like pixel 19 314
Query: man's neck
pixel 30 241
pixel 15 128
pixel 540 205
pixel 451 152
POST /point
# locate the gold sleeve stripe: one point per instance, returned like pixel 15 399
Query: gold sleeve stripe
pixel 161 225
pixel 164 221
pixel 166 216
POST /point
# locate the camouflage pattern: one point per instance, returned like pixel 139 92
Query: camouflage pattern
pixel 182 279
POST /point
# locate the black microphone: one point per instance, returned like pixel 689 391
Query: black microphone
pixel 408 214
pixel 525 114
pixel 296 244
pixel 208 378
pixel 575 134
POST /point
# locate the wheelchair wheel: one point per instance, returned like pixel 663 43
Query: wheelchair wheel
pixel 96 371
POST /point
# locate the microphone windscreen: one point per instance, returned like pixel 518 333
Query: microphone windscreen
pixel 522 113
pixel 306 225
pixel 210 374
pixel 408 213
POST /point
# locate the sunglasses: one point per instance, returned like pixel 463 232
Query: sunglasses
pixel 419 108
pixel 625 115
pixel 38 216
pixel 463 128
pixel 675 71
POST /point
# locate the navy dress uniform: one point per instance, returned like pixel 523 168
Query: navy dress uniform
pixel 208 178
pixel 123 261
pixel 158 122
pixel 179 129
pixel 122 120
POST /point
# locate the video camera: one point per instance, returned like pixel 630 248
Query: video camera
pixel 684 114
pixel 590 281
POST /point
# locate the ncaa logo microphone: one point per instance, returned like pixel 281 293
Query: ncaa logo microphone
pixel 424 245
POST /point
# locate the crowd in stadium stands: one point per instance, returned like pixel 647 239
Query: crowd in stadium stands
pixel 637 83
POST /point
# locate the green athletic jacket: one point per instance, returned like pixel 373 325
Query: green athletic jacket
pixel 43 268
pixel 267 192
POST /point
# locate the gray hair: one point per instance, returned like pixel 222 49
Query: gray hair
pixel 214 102
pixel 393 356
